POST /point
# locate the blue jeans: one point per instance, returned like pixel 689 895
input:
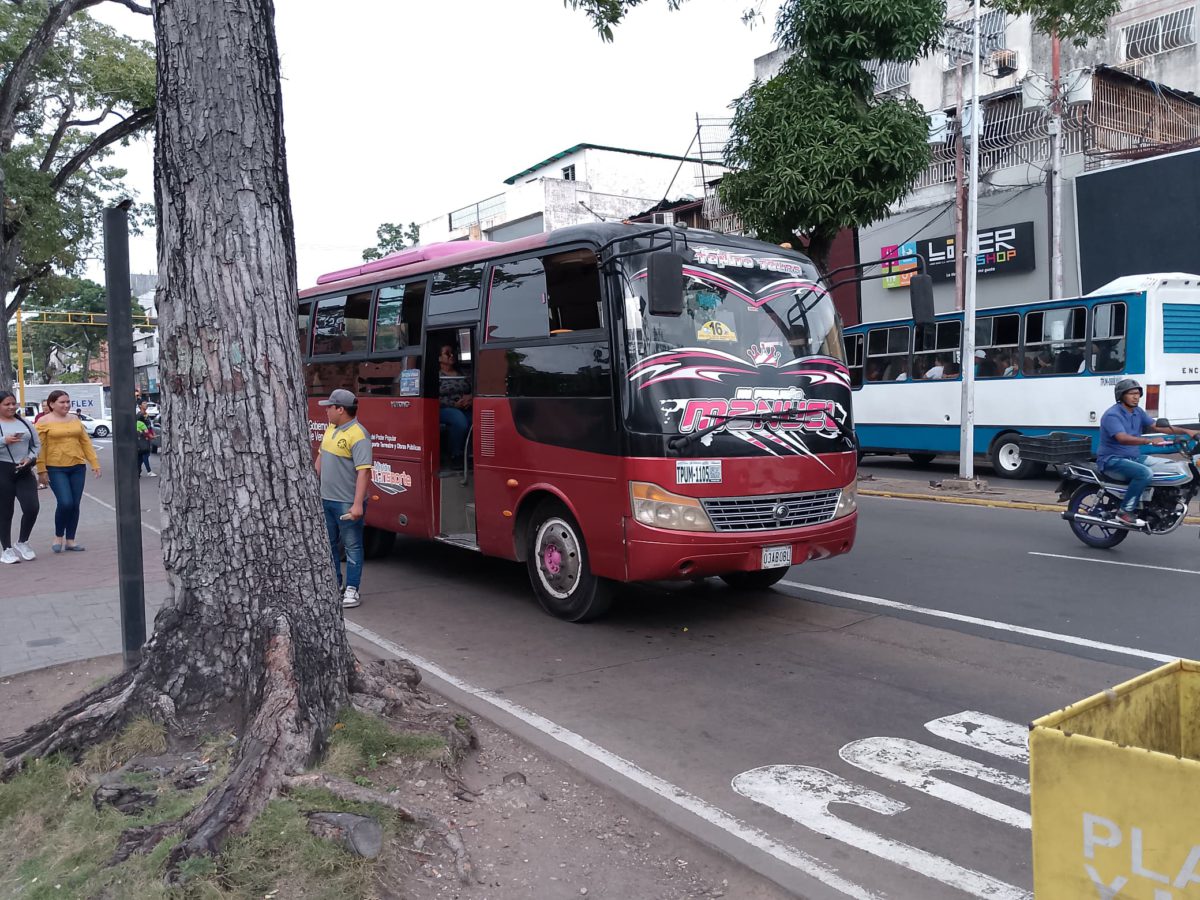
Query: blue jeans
pixel 345 535
pixel 144 459
pixel 1138 474
pixel 457 427
pixel 67 484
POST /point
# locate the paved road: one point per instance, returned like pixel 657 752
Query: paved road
pixel 705 687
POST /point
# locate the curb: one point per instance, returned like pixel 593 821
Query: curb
pixel 1030 505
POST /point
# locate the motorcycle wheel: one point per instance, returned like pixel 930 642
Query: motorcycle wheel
pixel 1089 500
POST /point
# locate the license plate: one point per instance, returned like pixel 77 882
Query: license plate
pixel 776 557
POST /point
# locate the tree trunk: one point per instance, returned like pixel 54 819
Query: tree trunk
pixel 252 636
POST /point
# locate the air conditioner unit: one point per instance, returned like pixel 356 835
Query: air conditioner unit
pixel 1003 62
pixel 664 218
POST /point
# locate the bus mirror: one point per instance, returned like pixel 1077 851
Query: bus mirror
pixel 665 275
pixel 920 296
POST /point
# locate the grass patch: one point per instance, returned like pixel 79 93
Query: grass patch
pixel 141 736
pixel 370 741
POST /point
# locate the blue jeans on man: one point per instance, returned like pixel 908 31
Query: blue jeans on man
pixel 347 535
pixel 458 426
pixel 1134 471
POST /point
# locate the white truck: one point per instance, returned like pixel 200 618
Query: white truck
pixel 85 398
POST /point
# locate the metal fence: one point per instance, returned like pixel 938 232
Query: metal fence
pixel 477 213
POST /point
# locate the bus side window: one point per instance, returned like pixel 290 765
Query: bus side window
pixel 540 298
pixel 887 354
pixel 1108 337
pixel 1055 341
pixel 398 316
pixel 854 358
pixel 942 350
pixel 304 327
pixel 996 343
pixel 343 324
pixel 456 290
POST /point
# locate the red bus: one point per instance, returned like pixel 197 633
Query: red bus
pixel 633 403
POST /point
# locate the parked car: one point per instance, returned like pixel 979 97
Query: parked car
pixel 100 428
pixel 152 410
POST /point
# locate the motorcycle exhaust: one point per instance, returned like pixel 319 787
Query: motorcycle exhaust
pixel 1096 520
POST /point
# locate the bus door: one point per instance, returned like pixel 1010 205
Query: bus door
pixel 451 377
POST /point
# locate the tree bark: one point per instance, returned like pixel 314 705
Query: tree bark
pixel 252 636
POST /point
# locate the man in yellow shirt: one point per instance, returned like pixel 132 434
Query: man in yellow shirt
pixel 344 466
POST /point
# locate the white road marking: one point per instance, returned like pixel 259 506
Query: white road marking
pixel 998 737
pixel 810 865
pixel 804 793
pixel 911 764
pixel 1114 562
pixel 988 623
pixel 114 509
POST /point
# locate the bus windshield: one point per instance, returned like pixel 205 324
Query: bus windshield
pixel 758 338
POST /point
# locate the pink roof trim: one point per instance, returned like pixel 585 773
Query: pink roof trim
pixel 405 258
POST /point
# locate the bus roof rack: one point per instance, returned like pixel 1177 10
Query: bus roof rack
pixel 417 254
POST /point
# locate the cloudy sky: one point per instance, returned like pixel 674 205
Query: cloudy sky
pixel 401 111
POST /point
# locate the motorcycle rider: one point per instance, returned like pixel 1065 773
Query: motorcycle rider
pixel 1121 433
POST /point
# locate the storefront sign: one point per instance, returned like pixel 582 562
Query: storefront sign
pixel 1007 248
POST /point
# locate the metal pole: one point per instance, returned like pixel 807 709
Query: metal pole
pixel 966 452
pixel 20 363
pixel 124 419
pixel 1056 267
pixel 960 212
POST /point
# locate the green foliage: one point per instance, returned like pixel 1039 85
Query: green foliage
pixel 1071 20
pixel 813 155
pixel 607 13
pixel 374 740
pixel 393 238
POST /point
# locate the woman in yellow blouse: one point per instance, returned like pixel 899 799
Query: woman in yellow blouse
pixel 66 448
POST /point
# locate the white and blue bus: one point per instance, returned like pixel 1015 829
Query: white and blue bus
pixel 1039 367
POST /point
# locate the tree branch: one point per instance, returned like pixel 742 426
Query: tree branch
pixel 60 131
pixel 137 8
pixel 18 298
pixel 39 45
pixel 137 120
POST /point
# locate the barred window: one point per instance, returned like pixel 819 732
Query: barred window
pixel 1169 31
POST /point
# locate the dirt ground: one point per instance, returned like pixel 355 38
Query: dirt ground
pixel 534 828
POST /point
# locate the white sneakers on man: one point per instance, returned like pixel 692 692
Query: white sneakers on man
pixel 350 598
pixel 24 551
pixel 9 556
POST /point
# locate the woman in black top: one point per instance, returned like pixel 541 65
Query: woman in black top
pixel 18 452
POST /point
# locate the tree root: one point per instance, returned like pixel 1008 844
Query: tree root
pixel 452 839
pixel 89 720
pixel 347 790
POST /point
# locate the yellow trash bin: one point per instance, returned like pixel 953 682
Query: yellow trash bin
pixel 1115 783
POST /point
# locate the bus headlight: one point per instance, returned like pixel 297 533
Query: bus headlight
pixel 848 502
pixel 661 509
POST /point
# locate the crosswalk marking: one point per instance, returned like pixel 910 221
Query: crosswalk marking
pixel 998 737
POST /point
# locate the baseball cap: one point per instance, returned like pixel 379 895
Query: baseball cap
pixel 340 397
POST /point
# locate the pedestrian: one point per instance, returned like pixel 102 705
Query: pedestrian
pixel 145 435
pixel 344 467
pixel 66 452
pixel 17 482
pixel 45 411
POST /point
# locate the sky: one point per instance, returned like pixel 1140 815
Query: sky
pixel 401 111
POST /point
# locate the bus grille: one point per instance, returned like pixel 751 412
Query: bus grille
pixel 771 512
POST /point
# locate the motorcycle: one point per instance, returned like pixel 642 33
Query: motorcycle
pixel 1093 500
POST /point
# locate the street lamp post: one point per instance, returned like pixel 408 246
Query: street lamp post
pixel 966 453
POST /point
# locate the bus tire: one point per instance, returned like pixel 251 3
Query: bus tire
pixel 1088 500
pixel 754 581
pixel 559 570
pixel 1005 455
pixel 377 542
pixel 922 459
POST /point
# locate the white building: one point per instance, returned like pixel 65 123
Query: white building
pixel 1127 95
pixel 583 183
pixel 145 350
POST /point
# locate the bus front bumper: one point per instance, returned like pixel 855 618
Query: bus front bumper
pixel 658 555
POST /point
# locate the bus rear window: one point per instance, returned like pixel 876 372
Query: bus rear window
pixel 343 324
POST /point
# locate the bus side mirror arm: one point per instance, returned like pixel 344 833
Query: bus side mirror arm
pixel 920 287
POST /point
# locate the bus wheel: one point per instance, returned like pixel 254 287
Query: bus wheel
pixel 377 542
pixel 1088 500
pixel 559 570
pixel 754 581
pixel 922 459
pixel 1006 458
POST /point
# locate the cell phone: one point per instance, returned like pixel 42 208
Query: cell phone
pixel 346 518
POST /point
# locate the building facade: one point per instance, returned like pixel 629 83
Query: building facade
pixel 1126 96
pixel 584 183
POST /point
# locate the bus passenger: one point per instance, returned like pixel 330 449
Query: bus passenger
pixel 455 395
pixel 937 370
pixel 874 372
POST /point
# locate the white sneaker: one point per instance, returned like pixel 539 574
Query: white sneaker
pixel 350 598
pixel 9 556
pixel 151 474
pixel 24 550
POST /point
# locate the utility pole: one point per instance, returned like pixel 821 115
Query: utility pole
pixel 1055 179
pixel 960 194
pixel 966 466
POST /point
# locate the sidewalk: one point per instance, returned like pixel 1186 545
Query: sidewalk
pixel 65 607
